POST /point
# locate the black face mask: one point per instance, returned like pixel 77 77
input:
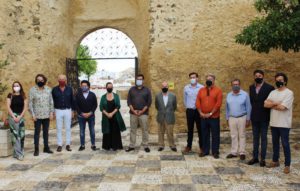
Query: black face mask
pixel 109 90
pixel 164 90
pixel 279 84
pixel 40 84
pixel 208 83
pixel 259 80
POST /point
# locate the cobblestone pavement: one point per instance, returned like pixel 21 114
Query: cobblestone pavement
pixel 166 170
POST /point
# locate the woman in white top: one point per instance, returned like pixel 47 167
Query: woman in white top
pixel 280 101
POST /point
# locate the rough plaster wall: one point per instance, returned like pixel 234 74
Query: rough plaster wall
pixel 193 35
pixel 173 38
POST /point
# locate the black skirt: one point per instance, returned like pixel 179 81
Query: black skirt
pixel 112 140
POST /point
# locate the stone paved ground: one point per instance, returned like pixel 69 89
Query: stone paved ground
pixel 167 170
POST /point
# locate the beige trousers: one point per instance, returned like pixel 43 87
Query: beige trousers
pixel 143 122
pixel 164 127
pixel 237 128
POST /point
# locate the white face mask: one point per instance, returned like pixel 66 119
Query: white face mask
pixel 193 81
pixel 139 82
pixel 17 89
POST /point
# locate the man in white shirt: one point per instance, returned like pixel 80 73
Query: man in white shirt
pixel 280 101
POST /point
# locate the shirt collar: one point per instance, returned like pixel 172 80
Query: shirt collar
pixel 197 85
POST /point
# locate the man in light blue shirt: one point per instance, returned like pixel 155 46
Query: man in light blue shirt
pixel 238 110
pixel 192 115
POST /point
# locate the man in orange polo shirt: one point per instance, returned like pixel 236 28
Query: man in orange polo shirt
pixel 208 103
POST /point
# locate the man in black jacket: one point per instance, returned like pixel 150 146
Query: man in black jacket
pixel 260 116
pixel 86 104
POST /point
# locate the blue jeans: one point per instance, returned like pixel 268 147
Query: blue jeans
pixel 210 127
pixel 82 123
pixel 260 132
pixel 282 133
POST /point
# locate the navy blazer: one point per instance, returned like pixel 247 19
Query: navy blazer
pixel 259 113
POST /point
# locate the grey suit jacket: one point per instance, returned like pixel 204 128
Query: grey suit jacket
pixel 166 113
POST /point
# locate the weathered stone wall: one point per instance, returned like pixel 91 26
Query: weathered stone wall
pixel 198 35
pixel 36 34
pixel 173 38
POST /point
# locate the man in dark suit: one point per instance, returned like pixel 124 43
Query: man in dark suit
pixel 260 116
pixel 166 104
pixel 86 104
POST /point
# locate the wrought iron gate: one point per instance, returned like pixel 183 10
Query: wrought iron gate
pixel 73 80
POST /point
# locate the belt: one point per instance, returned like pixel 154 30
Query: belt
pixel 239 116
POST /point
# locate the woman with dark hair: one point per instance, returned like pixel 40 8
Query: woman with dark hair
pixel 112 121
pixel 42 111
pixel 16 106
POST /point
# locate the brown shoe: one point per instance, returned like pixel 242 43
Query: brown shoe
pixel 68 148
pixel 202 154
pixel 187 150
pixel 59 148
pixel 242 157
pixel 286 170
pixel 273 165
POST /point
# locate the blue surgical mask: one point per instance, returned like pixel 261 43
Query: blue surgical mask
pixel 139 82
pixel 193 81
pixel 84 89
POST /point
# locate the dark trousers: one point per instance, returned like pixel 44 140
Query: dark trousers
pixel 192 117
pixel 283 134
pixel 82 123
pixel 37 129
pixel 260 132
pixel 210 127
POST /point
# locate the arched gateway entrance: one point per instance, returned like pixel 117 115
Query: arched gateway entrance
pixel 110 48
pixel 115 56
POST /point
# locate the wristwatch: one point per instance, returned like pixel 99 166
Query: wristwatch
pixel 210 113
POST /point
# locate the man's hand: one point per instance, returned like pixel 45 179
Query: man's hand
pixel 136 112
pixel 73 114
pixel 34 118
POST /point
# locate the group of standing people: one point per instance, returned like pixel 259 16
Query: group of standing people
pixel 263 106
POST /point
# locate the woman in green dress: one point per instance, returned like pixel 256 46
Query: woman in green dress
pixel 112 121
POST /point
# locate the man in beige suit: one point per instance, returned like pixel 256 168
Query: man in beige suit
pixel 166 104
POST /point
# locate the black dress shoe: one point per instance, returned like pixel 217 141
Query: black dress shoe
pixel 59 148
pixel 174 149
pixel 242 157
pixel 262 163
pixel 36 152
pixel 129 149
pixel 231 156
pixel 147 150
pixel 93 148
pixel 160 149
pixel 68 148
pixel 216 156
pixel 253 161
pixel 81 148
pixel 47 150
